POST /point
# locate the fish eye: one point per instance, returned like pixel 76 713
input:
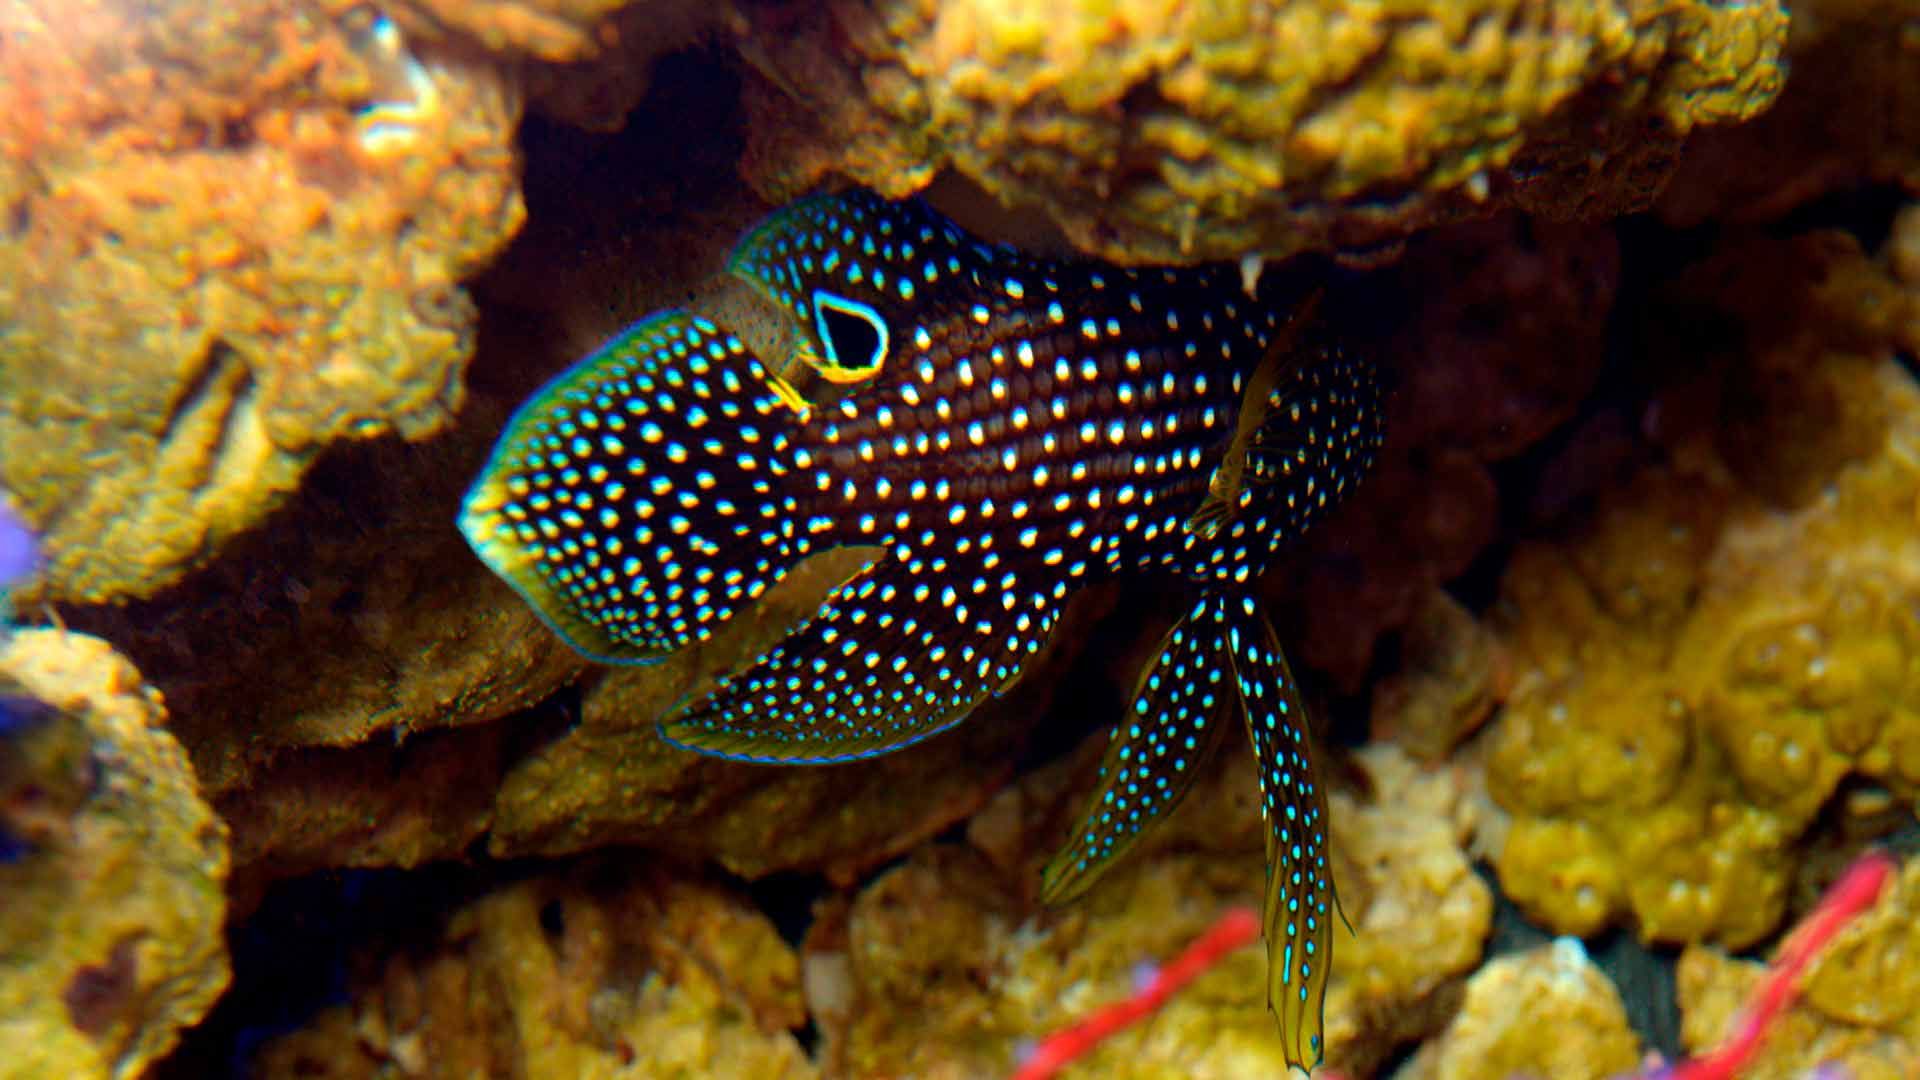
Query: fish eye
pixel 853 336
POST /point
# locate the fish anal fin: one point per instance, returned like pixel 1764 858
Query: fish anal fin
pixel 892 657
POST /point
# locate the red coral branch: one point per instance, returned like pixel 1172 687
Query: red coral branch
pixel 1856 891
pixel 1238 926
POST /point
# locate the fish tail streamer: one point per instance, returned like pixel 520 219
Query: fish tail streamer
pixel 1223 658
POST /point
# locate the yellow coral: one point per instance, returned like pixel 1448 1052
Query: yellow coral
pixel 1172 132
pixel 1855 1011
pixel 1734 633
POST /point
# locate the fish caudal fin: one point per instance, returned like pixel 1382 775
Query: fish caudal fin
pixel 1300 903
pixel 639 499
pixel 901 651
pixel 1223 658
pixel 1184 699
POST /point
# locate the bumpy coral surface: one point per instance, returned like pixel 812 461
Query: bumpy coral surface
pixel 1173 132
pixel 112 893
pixel 1724 641
pixel 942 967
pixel 231 241
pixel 595 974
pixel 1545 1012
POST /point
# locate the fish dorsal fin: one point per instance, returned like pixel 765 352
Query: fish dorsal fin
pixel 1227 489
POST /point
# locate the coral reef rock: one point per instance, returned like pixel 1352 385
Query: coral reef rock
pixel 112 867
pixel 1485 302
pixel 596 973
pixel 1547 1012
pixel 1166 132
pixel 943 966
pixel 1850 114
pixel 231 241
pixel 1704 659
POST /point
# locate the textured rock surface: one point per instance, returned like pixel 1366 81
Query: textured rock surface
pixel 595 973
pixel 1547 1012
pixel 587 62
pixel 1731 635
pixel 234 240
pixel 112 901
pixel 1850 114
pixel 942 967
pixel 1175 132
pixel 1485 303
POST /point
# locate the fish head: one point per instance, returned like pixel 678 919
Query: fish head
pixel 857 276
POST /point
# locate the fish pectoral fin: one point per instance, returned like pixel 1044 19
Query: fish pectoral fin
pixel 1300 901
pixel 1182 702
pixel 896 654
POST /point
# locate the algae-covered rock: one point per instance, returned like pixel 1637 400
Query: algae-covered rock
pixel 1705 659
pixel 1167 132
pixel 112 867
pixel 600 972
pixel 232 240
pixel 1547 1012
pixel 944 967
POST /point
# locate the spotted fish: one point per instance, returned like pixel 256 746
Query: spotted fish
pixel 1001 430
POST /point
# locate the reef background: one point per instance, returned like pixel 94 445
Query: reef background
pixel 1621 640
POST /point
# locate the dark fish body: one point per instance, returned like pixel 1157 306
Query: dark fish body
pixel 1001 430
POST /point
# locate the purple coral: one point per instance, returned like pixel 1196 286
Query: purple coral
pixel 19 551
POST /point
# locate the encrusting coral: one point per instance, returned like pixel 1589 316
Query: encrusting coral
pixel 1166 132
pixel 112 867
pixel 593 973
pixel 1732 634
pixel 231 241
pixel 1849 116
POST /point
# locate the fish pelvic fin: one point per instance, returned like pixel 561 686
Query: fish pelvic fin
pixel 1300 902
pixel 899 652
pixel 1184 698
pixel 643 495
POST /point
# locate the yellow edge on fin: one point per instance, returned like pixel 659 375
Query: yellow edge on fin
pixel 489 534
